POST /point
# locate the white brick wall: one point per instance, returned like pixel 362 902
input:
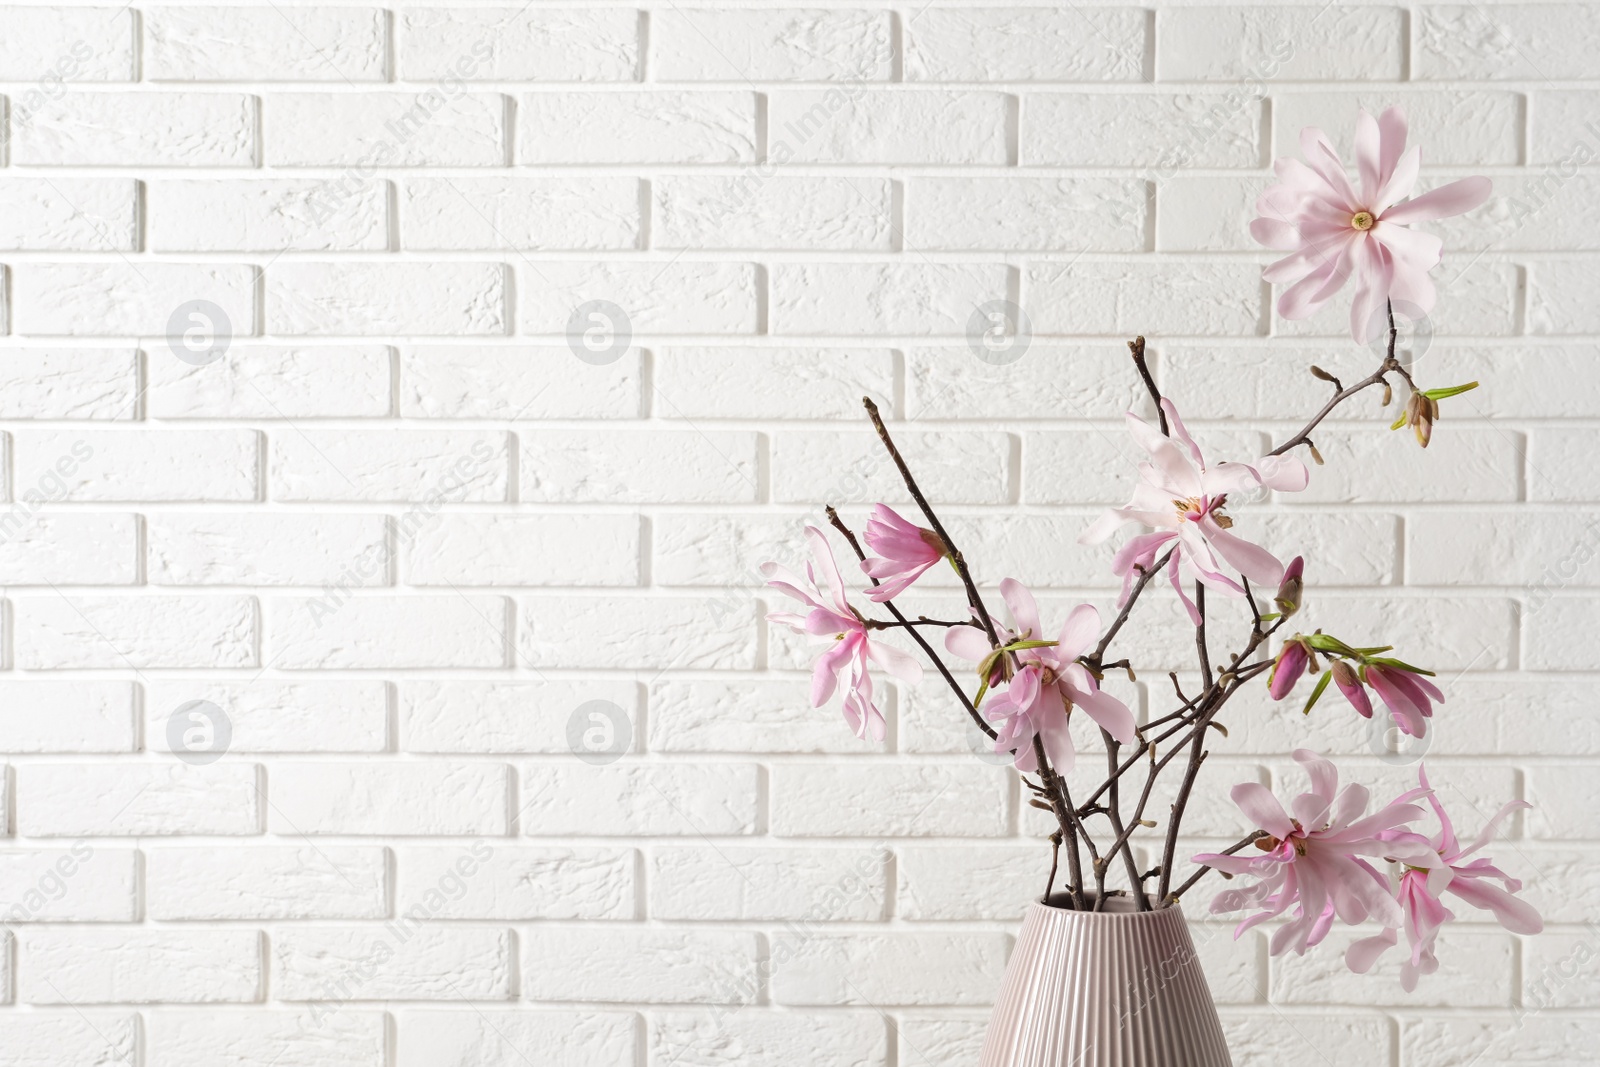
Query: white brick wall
pixel 410 544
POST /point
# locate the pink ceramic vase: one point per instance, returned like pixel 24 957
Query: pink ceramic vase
pixel 1114 988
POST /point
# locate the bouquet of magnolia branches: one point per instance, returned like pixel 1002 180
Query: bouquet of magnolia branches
pixel 1326 856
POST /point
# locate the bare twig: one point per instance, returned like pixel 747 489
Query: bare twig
pixel 1136 346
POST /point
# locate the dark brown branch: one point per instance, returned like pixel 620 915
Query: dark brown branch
pixel 933 520
pixel 1127 607
pixel 1136 346
pixel 1174 896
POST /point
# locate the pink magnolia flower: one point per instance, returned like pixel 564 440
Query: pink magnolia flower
pixel 1182 498
pixel 1421 891
pixel 1404 690
pixel 904 550
pixel 1051 681
pixel 1334 231
pixel 1318 860
pixel 844 665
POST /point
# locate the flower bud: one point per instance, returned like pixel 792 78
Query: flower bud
pixel 1293 584
pixel 1289 666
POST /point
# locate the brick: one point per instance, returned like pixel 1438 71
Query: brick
pixel 860 125
pixel 137 800
pixel 141 967
pixel 658 126
pixel 661 966
pixel 415 299
pixel 71 549
pixel 1502 41
pixel 1521 395
pixel 809 465
pixel 465 1036
pixel 769 1038
pixel 74 716
pixel 521 213
pixel 336 631
pixel 1044 214
pixel 906 968
pixel 1562 798
pixel 1557 548
pixel 1299 44
pixel 1257 1039
pixel 876 298
pixel 701 44
pixel 900 800
pixel 1555 306
pixel 1204 213
pixel 256 216
pixel 639 466
pixel 119 299
pixel 1205 299
pixel 282 549
pixel 428 466
pixel 329 1039
pixel 471 716
pixel 639 800
pixel 1370 464
pixel 387 798
pixel 55 45
pixel 146 129
pixel 1474 972
pixel 1101 466
pixel 945 1038
pixel 430 128
pixel 772 383
pixel 743 716
pixel 255 382
pixel 525 550
pixel 99 465
pixel 396 961
pixel 204 44
pixel 279 716
pixel 1512 1038
pixel 966 882
pixel 674 297
pixel 807 886
pixel 80 884
pixel 561 44
pixel 302 881
pixel 1560 883
pixel 1557 636
pixel 1088 381
pixel 43 1039
pixel 1477 297
pixel 1453 127
pixel 68 214
pixel 1562 130
pixel 1025 44
pixel 57 632
pixel 754 210
pixel 514 383
pixel 69 383
pixel 1162 131
pixel 1532 212
pixel 514 883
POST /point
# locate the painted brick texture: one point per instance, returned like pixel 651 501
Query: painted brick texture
pixel 400 398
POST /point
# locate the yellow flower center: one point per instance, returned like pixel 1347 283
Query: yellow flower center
pixel 1362 220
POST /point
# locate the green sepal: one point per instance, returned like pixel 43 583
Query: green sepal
pixel 1316 694
pixel 1390 661
pixel 1447 393
pixel 1329 643
pixel 1401 421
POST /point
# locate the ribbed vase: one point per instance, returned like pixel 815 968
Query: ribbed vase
pixel 1113 988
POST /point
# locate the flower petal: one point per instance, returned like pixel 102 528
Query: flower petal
pixel 1452 199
